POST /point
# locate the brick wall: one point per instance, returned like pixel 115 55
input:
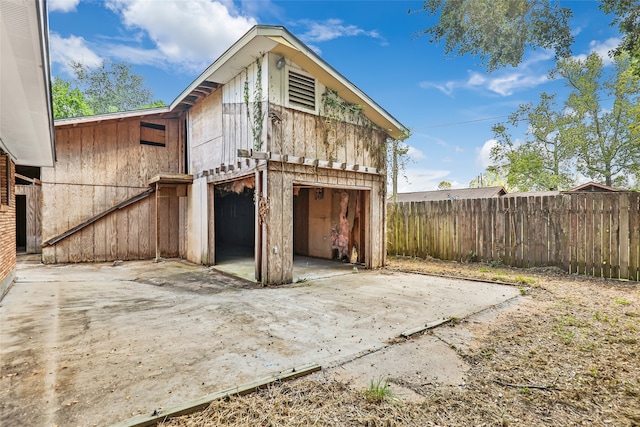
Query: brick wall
pixel 7 222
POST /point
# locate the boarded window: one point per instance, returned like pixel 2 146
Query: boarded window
pixel 152 134
pixel 302 91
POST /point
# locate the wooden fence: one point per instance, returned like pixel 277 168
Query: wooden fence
pixel 595 234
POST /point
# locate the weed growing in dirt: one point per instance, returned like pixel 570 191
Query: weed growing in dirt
pixel 378 391
pixel 622 301
pixel 523 290
pixel 522 280
pixel 566 335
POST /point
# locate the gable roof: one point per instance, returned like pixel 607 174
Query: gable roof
pixel 258 40
pixel 591 187
pixel 453 194
pixel 278 40
pixel 26 117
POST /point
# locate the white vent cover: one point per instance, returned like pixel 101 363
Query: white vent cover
pixel 302 91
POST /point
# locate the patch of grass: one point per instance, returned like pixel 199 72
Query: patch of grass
pixel 379 391
pixel 484 270
pixel 566 335
pixel 523 280
pixel 523 290
pixel 622 301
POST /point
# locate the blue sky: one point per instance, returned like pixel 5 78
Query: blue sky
pixel 445 101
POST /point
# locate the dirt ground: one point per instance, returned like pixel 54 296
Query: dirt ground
pixel 94 344
pixel 567 354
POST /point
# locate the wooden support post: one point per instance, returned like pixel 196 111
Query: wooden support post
pixel 157 222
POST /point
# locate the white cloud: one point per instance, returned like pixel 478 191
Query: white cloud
pixel 72 49
pixel 421 180
pixel 63 5
pixel 447 88
pixel 602 48
pixel 504 82
pixel 189 33
pixel 415 154
pixel 508 84
pixel 322 31
pixel 483 154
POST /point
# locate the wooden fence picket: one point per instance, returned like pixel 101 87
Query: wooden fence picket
pixel 595 234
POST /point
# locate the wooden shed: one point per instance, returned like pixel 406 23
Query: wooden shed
pixel 269 154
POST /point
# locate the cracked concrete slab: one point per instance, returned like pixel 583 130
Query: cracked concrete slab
pixel 93 344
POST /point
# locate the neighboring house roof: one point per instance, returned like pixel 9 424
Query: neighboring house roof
pixel 279 41
pixel 453 194
pixel 26 116
pixel 591 187
pixel 97 118
pixel 533 193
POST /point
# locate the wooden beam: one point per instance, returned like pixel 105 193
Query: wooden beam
pixel 35 181
pixel 431 325
pixel 94 218
pixel 201 403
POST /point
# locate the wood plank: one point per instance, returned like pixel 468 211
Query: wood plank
pixel 205 401
pixel 615 235
pixel 634 236
pixel 589 242
pixel 624 225
pixel 174 213
pixel 597 236
pixel 60 215
pixel 146 246
pixel 607 229
pixel 87 193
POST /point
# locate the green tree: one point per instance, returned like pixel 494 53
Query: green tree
pixel 607 149
pixel 490 178
pixel 499 31
pixel 545 160
pixel 68 101
pixel 113 87
pixel 589 133
pixel 444 185
pixel 397 157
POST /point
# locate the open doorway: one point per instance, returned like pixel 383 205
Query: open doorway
pixel 21 223
pixel 329 223
pixel 234 220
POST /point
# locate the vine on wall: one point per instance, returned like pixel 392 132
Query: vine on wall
pixel 255 115
pixel 337 111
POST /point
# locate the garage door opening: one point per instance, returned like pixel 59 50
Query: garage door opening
pixel 329 223
pixel 234 212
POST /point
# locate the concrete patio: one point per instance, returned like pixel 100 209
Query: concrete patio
pixel 93 344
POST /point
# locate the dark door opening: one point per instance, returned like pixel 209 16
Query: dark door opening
pixel 329 223
pixel 21 222
pixel 234 225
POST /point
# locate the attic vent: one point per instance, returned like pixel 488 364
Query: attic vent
pixel 302 91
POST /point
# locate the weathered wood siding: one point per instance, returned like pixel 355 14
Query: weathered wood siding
pixel 33 195
pixel 596 234
pixel 278 227
pixel 98 166
pixel 219 124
